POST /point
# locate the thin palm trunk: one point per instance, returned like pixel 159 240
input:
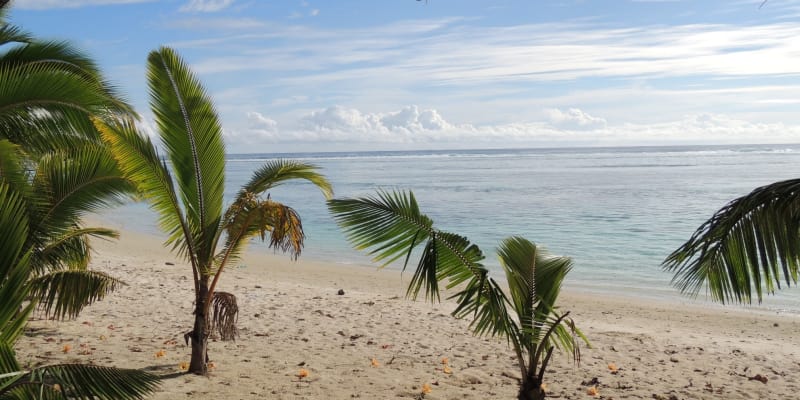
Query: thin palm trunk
pixel 199 335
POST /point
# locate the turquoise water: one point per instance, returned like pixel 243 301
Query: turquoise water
pixel 617 211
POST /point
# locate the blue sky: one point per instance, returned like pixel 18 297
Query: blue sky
pixel 401 74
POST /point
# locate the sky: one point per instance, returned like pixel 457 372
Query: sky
pixel 346 75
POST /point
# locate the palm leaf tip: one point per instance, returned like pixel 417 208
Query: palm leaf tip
pixel 92 382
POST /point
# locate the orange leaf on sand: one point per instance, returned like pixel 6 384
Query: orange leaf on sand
pixel 303 373
pixel 161 353
pixel 184 366
pixel 211 365
pixel 593 391
pixel 613 368
pixel 375 363
pixel 426 388
pixel 66 348
pixel 543 387
pixel 103 337
pixel 445 360
pixel 447 370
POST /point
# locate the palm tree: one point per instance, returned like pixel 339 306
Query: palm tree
pixel 52 155
pixel 48 382
pixel 187 193
pixel 390 226
pixel 749 245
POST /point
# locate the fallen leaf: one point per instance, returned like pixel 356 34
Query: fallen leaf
pixel 212 365
pixel 161 353
pixel 375 363
pixel 447 369
pixel 184 366
pixel 66 348
pixel 303 373
pixel 426 388
pixel 445 360
pixel 761 378
pixel 592 391
pixel 613 368
pixel 543 387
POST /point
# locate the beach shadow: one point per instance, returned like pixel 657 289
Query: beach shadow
pixel 164 372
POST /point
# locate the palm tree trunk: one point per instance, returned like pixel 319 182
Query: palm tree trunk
pixel 531 388
pixel 199 334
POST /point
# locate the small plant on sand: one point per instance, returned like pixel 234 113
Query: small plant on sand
pixel 187 192
pixel 390 226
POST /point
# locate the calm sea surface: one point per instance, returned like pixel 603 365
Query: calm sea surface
pixel 617 211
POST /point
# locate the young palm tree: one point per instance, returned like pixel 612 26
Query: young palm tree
pixel 750 245
pixel 390 226
pixel 187 193
pixel 48 382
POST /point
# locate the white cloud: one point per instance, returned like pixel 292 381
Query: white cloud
pixel 206 5
pixel 411 127
pixel 574 119
pixel 215 23
pixel 314 12
pixel 51 4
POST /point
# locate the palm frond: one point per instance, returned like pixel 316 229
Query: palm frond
pixel 277 172
pixel 77 381
pixel 64 294
pixel 71 249
pixel 12 167
pixel 750 245
pixel 14 259
pixel 226 315
pixel 140 163
pixel 190 131
pixel 387 226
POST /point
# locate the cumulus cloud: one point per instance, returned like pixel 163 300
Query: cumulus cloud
pixel 426 128
pixel 205 5
pixel 574 119
pixel 50 4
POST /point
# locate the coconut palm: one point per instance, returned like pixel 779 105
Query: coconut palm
pixel 52 155
pixel 750 245
pixel 390 226
pixel 48 382
pixel 187 193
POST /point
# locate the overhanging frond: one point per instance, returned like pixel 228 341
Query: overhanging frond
pixel 77 381
pixel 750 245
pixel 63 294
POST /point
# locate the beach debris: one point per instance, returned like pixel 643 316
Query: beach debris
pixel 445 360
pixel 543 386
pixel 613 368
pixel 211 365
pixel 302 363
pixel 426 388
pixel 302 373
pixel 103 337
pixel 386 346
pixel 87 323
pixel 447 370
pixel 592 382
pixel 592 391
pixel 111 327
pixel 375 363
pixel 758 377
pixel 171 342
pixel 161 353
pixel 340 292
pixel 183 366
pixel 169 263
pixel 66 348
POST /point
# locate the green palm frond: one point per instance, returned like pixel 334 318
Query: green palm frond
pixel 64 294
pixel 76 182
pixel 12 167
pixel 277 172
pixel 69 250
pixel 191 134
pixel 77 381
pixel 750 245
pixel 14 270
pixel 387 226
pixel 140 163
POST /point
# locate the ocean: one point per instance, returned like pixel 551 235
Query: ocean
pixel 618 212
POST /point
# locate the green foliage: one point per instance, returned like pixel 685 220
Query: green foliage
pixel 390 226
pixel 750 245
pixel 188 193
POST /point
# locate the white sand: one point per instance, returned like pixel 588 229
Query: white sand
pixel 291 318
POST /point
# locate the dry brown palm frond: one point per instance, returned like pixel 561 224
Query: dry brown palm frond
pixel 226 315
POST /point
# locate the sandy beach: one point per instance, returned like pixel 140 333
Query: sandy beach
pixel 372 343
